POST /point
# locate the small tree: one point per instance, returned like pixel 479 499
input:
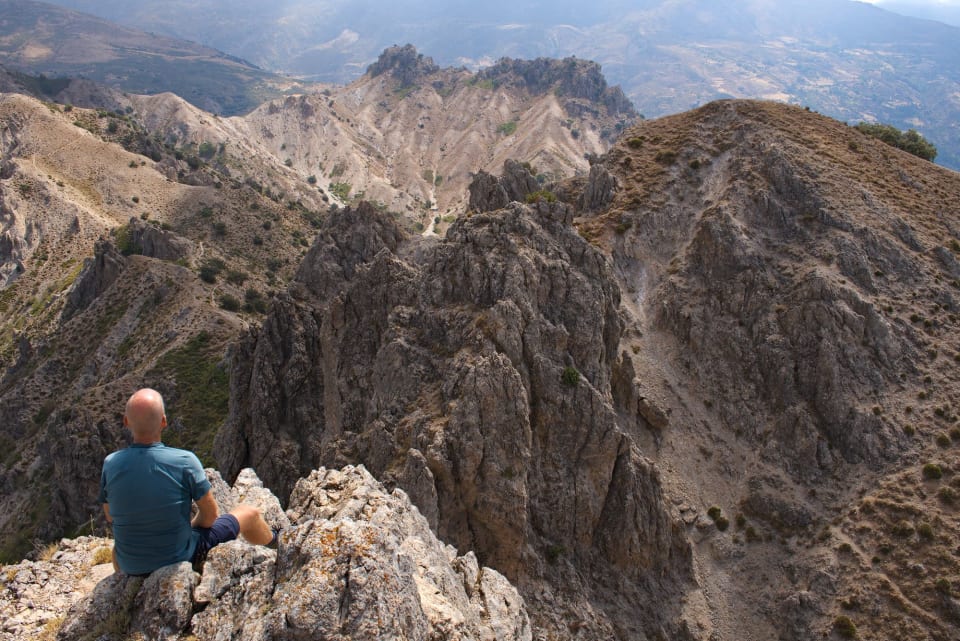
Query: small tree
pixel 910 141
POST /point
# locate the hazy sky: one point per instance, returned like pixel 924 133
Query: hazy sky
pixel 942 3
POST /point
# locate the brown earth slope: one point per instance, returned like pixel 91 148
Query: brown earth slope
pixel 792 293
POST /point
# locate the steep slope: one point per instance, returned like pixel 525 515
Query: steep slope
pixel 474 372
pixel 792 289
pixel 82 320
pixel 409 135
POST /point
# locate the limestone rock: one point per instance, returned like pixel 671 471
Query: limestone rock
pixel 442 369
pixel 355 562
pixel 158 243
pixel 35 595
pixel 159 606
pixel 489 193
pixel 404 64
pixel 600 189
pixel 247 489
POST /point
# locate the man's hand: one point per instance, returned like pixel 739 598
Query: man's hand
pixel 208 511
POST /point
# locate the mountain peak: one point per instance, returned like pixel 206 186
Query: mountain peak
pixel 404 63
pixel 571 78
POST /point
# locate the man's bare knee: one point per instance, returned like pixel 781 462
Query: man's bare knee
pixel 252 525
pixel 245 513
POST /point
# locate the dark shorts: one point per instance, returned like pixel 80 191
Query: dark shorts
pixel 225 528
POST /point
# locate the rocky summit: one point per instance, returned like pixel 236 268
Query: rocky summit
pixel 353 562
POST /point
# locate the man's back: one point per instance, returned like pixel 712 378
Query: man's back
pixel 150 489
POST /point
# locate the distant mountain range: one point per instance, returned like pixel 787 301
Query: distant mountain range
pixel 40 38
pixel 851 60
pixel 939 11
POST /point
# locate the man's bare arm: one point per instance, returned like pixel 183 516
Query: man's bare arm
pixel 106 512
pixel 207 511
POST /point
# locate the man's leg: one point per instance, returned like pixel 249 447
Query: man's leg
pixel 252 526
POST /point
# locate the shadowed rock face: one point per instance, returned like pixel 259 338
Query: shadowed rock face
pixel 489 193
pixel 474 372
pixel 98 275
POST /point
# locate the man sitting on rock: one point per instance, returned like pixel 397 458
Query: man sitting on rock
pixel 147 491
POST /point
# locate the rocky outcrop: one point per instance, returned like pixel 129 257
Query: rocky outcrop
pixel 570 77
pixel 475 373
pixel 154 242
pixel 404 64
pixel 98 274
pixel 600 189
pixel 489 192
pixel 353 561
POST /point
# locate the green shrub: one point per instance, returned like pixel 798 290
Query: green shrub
pixel 947 495
pixel 943 440
pixel 925 530
pixel 666 157
pixel 932 471
pixel 943 586
pixel 909 141
pixel 554 552
pixel 206 150
pixel 210 269
pixel 236 277
pixel 230 303
pixel 508 128
pixel 635 143
pixel 341 190
pixel 255 302
pixel 903 529
pixel 845 627
pixel 541 196
pixel 125 243
pixel 570 376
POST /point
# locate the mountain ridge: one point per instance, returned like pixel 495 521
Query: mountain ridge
pixel 850 60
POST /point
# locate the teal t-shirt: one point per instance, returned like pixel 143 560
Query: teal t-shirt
pixel 150 490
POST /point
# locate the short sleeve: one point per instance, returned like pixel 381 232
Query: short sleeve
pixel 196 478
pixel 102 496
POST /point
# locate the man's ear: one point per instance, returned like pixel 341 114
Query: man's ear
pixel 163 421
pixel 126 422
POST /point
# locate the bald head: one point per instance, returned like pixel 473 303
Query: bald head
pixel 144 416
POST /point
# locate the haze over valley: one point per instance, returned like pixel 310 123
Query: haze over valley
pixel 850 60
